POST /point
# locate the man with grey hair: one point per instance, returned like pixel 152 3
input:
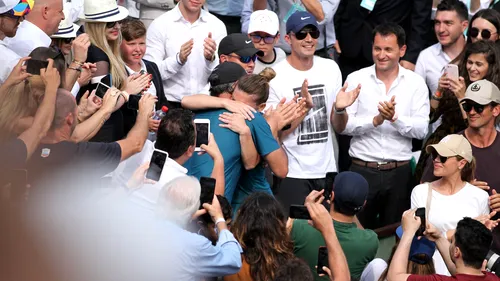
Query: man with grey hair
pixel 178 203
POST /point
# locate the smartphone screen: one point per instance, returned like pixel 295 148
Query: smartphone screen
pixel 34 66
pixel 101 90
pixel 207 190
pixel 133 102
pixel 420 212
pixel 322 260
pixel 299 212
pixel 107 80
pixel 202 131
pixel 156 165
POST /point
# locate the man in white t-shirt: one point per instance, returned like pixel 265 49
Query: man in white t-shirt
pixel 177 137
pixel 392 108
pixel 309 143
pixel 264 30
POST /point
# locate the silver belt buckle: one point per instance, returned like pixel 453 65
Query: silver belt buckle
pixel 381 163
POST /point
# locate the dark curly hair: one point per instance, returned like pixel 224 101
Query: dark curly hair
pixel 260 228
pixel 474 241
pixel 176 132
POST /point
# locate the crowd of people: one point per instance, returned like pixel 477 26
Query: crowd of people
pixel 332 125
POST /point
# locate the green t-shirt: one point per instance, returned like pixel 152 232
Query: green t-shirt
pixel 359 245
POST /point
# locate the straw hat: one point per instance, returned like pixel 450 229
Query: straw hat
pixel 103 11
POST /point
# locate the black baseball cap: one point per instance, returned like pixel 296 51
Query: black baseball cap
pixel 227 72
pixel 350 192
pixel 239 44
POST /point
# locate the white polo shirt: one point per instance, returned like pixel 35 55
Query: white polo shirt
pixel 28 38
pixel 389 141
pixel 165 36
pixel 430 65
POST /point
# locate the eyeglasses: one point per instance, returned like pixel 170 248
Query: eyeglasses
pixel 301 35
pixel 111 24
pixel 68 40
pixel 485 33
pixel 467 106
pixel 267 39
pixel 246 59
pixel 442 159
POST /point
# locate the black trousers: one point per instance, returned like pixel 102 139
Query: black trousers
pixel 292 191
pixel 388 197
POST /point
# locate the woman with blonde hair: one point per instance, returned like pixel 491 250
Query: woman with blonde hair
pixel 102 25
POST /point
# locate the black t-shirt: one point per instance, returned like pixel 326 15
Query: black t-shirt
pixel 73 161
pixel 13 156
pixel 113 129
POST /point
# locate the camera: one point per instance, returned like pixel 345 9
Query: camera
pixel 493 264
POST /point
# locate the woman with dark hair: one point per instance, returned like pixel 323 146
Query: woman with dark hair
pixel 260 228
pixel 484 25
pixel 480 61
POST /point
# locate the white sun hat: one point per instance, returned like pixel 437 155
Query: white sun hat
pixel 67 29
pixel 103 11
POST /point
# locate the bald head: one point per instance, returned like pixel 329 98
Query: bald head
pixel 65 105
pixel 47 14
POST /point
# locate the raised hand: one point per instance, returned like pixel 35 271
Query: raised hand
pixel 50 75
pixel 80 47
pixel 304 93
pixel 147 104
pixel 88 70
pixel 137 83
pixel 18 73
pixel 110 99
pixel 185 51
pixel 410 222
pixel 494 201
pixel 458 87
pixel 345 99
pixel 212 148
pixel 209 47
pixel 387 109
pixel 241 108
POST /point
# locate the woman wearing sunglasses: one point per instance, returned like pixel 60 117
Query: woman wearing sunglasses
pixel 102 25
pixel 451 197
pixel 484 25
pixel 481 60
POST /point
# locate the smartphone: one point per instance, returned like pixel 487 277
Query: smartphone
pixel 451 71
pixel 299 212
pixel 330 178
pixel 207 190
pixel 322 260
pixel 133 101
pixel 101 89
pixel 34 66
pixel 156 164
pixel 202 132
pixel 107 80
pixel 420 212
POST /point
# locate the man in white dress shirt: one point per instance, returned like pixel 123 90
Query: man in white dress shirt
pixel 449 25
pixel 183 43
pixel 391 109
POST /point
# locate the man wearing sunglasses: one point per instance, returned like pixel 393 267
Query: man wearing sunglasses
pixel 263 29
pixel 309 143
pixel 238 48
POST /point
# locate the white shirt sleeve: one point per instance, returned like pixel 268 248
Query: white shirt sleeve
pixel 356 125
pixel 417 124
pixel 155 44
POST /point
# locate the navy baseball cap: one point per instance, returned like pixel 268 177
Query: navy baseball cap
pixel 299 20
pixel 351 191
pixel 227 72
pixel 421 250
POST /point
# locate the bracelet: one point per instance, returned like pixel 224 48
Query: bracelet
pixel 219 220
pixel 178 59
pixel 78 62
pixel 338 112
pixel 76 69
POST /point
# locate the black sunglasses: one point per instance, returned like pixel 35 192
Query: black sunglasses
pixel 267 39
pixel 485 34
pixel 111 24
pixel 301 35
pixel 68 40
pixel 467 106
pixel 245 59
pixel 442 159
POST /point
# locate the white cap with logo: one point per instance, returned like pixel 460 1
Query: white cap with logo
pixel 264 21
pixel 482 92
pixel 453 145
